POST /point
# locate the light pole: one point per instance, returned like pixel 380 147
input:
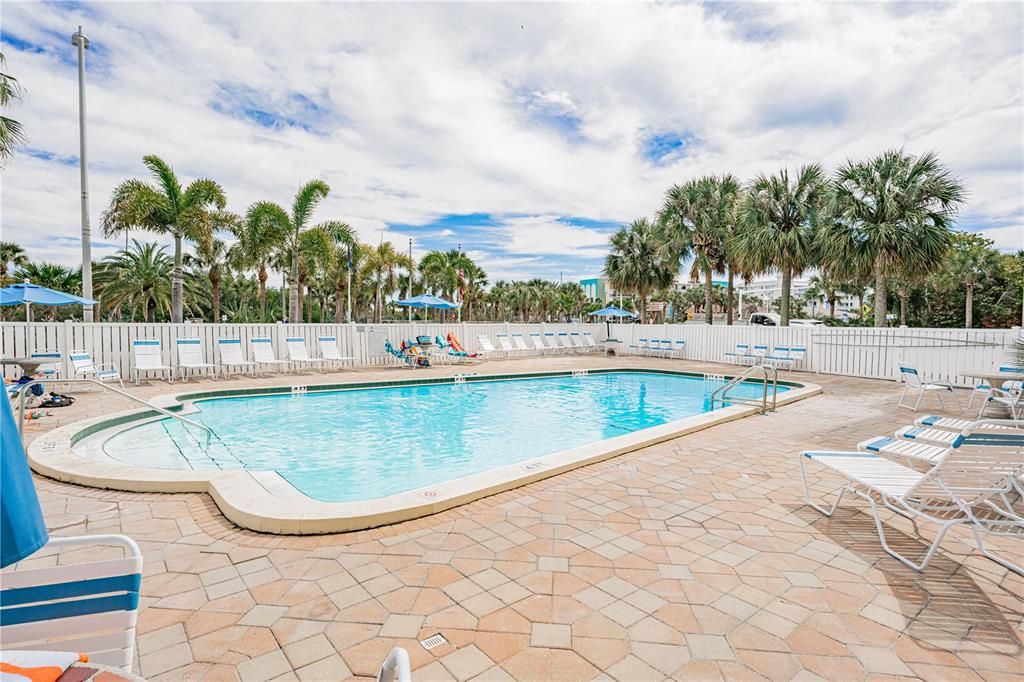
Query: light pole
pixel 348 288
pixel 458 291
pixel 409 288
pixel 79 40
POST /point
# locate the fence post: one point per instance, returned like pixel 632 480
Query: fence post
pixel 63 334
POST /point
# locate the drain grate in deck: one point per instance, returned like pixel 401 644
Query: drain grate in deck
pixel 433 641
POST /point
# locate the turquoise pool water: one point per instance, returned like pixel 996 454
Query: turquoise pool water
pixel 367 443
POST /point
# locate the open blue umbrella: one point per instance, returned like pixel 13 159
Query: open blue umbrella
pixel 612 311
pixel 427 301
pixel 26 294
pixel 22 530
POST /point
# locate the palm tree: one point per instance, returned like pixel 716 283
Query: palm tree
pixel 12 135
pixel 970 259
pixel 826 287
pixel 258 240
pixel 213 258
pixel 290 234
pixel 779 215
pixel 11 256
pixel 348 256
pixel 138 279
pixel 384 262
pixel 696 219
pixel 194 213
pixel 474 281
pixel 891 212
pixel 637 263
pixel 572 299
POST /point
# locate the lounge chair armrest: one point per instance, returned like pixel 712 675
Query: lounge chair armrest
pixel 110 366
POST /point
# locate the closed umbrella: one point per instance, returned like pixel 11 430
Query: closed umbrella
pixel 22 530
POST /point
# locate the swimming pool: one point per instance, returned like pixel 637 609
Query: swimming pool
pixel 367 443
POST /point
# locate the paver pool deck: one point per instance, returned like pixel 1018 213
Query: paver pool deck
pixel 692 559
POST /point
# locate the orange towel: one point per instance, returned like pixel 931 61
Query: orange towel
pixel 37 666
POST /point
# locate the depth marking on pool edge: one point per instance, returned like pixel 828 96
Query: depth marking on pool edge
pixel 535 465
pixel 430 493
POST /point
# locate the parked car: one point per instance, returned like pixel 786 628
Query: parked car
pixel 766 319
pixel 806 323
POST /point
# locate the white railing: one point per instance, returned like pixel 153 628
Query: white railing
pixel 849 351
pixel 110 343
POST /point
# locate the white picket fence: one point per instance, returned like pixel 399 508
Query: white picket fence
pixel 860 352
pixel 850 351
pixel 110 343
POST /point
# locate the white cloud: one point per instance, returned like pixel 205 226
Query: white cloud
pixel 413 111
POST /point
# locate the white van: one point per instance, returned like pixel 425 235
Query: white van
pixel 766 319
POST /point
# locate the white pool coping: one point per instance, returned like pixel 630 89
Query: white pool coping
pixel 246 499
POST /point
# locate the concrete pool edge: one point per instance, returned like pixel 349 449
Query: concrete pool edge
pixel 245 501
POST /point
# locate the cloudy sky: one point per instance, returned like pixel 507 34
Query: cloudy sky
pixel 525 132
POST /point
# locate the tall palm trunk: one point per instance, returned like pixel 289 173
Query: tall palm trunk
pixel 880 294
pixel 262 276
pixel 903 307
pixel 294 295
pixel 214 276
pixel 177 304
pixel 969 309
pixel 787 285
pixel 832 306
pixel 709 297
pixel 729 312
pixel 339 302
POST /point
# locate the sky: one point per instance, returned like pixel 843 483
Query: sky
pixel 526 133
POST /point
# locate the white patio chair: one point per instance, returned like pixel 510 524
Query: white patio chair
pixel 1011 398
pixel 984 387
pixel 190 356
pixel 487 348
pixel 565 343
pixel 82 363
pixel 577 343
pixel 231 355
pixel 756 355
pixel 591 344
pixel 797 354
pixel 86 607
pixel 519 343
pixel 297 353
pixel 50 365
pixel 149 357
pixel 329 351
pixel 505 346
pixel 735 357
pixel 263 354
pixel 962 482
pixel 680 349
pixel 913 381
pixel 779 358
pixel 538 343
pixel 551 343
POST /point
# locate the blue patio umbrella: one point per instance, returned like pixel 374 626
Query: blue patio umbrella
pixel 26 294
pixel 612 311
pixel 22 530
pixel 427 301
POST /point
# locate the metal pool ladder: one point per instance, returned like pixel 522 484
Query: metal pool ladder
pixel 767 373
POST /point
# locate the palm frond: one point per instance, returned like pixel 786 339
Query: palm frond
pixel 306 200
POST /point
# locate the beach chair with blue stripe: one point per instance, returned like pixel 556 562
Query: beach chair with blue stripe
pixel 190 357
pixel 551 343
pixel 263 354
pixel 85 368
pixel 89 608
pixel 231 355
pixel 978 469
pixel 329 351
pixel 297 352
pixel 49 365
pixel 779 357
pixel 148 357
pixel 505 346
pixel 565 343
pixel 736 356
pixel 914 382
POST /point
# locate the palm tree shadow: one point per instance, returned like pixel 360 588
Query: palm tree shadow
pixel 944 607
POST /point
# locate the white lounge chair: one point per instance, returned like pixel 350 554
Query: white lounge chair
pixel 564 342
pixel 505 346
pixel 964 480
pixel 149 357
pixel 297 352
pixel 231 355
pixel 487 348
pixel 551 343
pixel 190 356
pixel 590 343
pixel 84 368
pixel 779 358
pixel 538 343
pixel 913 381
pixel 577 343
pixel 519 343
pixel 263 354
pixel 49 365
pixel 329 350
pixel 641 347
pixel 89 607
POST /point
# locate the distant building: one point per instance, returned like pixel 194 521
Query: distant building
pixel 769 289
pixel 597 289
